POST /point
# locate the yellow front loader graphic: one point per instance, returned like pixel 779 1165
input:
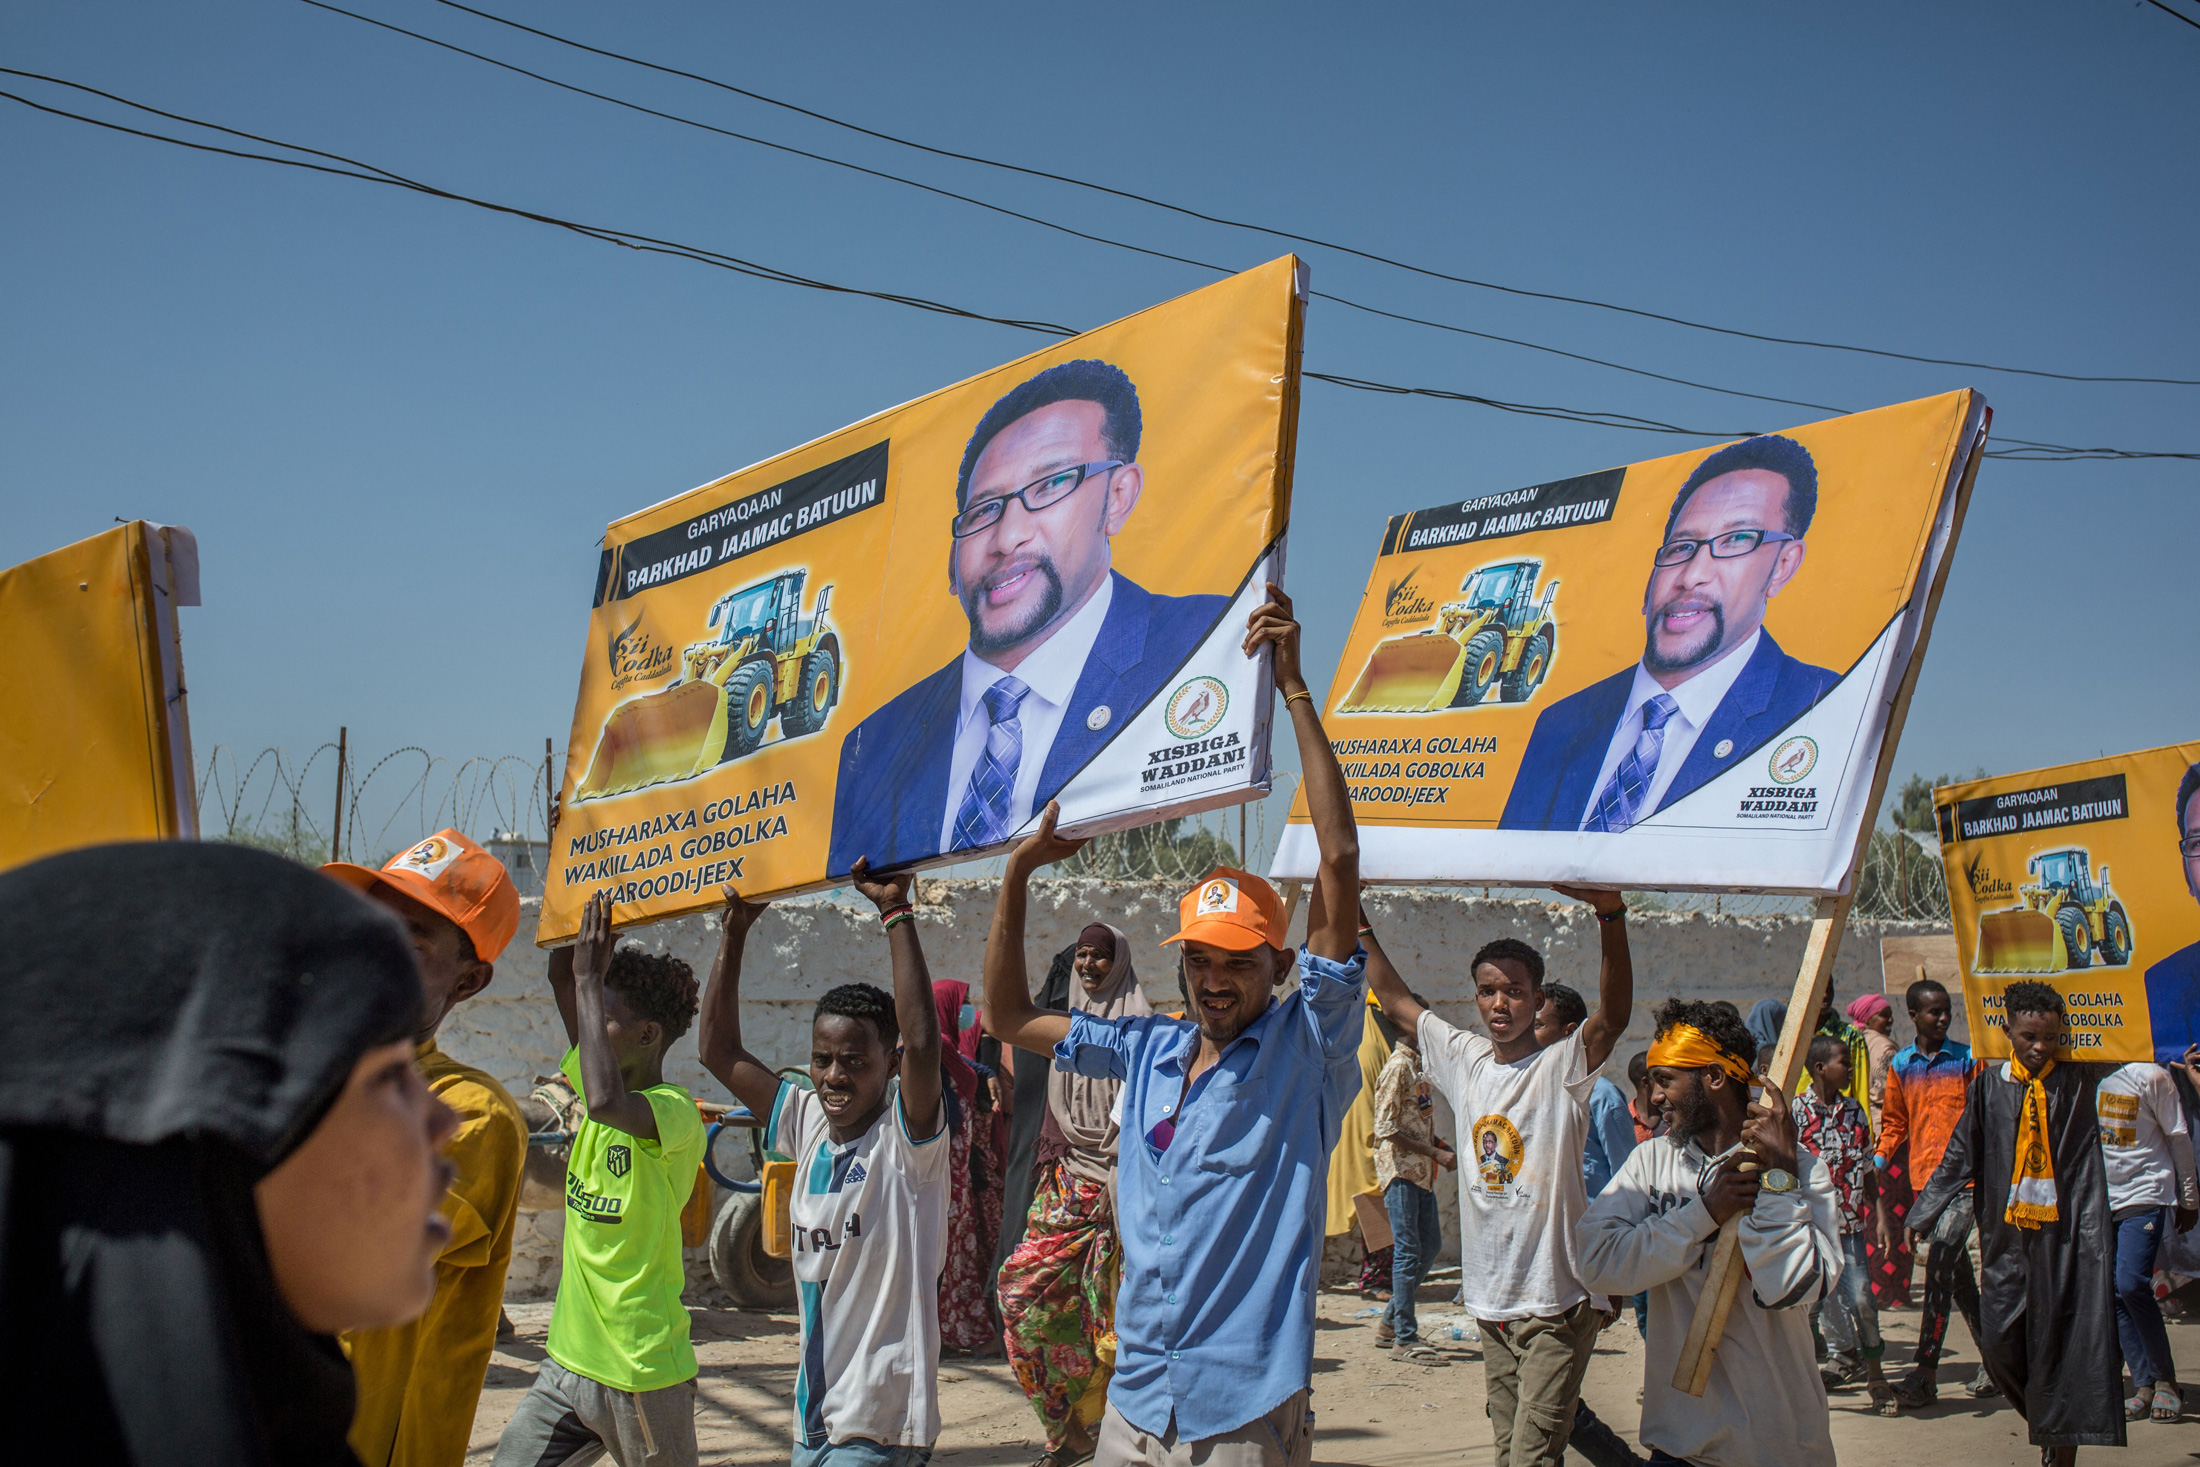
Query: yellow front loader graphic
pixel 767 661
pixel 2065 917
pixel 1496 635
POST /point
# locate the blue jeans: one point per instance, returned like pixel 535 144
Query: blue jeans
pixel 1850 1318
pixel 1417 1233
pixel 2138 1315
pixel 860 1452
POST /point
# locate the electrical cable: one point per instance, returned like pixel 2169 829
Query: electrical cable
pixel 364 172
pixel 1304 238
pixel 2179 15
pixel 827 158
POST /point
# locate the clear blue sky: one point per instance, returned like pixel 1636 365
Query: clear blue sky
pixel 399 425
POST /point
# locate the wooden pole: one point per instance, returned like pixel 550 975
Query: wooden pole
pixel 1707 1326
pixel 336 826
pixel 549 802
pixel 1291 893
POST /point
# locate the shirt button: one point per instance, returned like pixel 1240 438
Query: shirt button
pixel 1164 1181
pixel 1170 1239
pixel 1176 1355
pixel 1172 1298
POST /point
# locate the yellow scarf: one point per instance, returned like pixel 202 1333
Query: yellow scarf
pixel 1685 1047
pixel 2032 1184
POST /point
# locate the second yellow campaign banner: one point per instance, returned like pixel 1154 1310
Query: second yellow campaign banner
pixel 1675 674
pixel 2085 877
pixel 898 642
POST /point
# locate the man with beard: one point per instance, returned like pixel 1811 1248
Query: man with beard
pixel 1712 685
pixel 1228 1119
pixel 1656 1226
pixel 1062 649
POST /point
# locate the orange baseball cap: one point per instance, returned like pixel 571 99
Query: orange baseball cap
pixel 1232 909
pixel 448 873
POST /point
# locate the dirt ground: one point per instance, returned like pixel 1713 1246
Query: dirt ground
pixel 1371 1410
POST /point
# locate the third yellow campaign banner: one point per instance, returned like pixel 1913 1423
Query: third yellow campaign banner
pixel 1674 674
pixel 2085 877
pixel 898 642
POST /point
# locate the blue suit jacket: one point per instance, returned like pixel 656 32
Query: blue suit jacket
pixel 2173 1003
pixel 1566 751
pixel 892 795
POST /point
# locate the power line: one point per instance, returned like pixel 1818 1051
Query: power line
pixel 827 158
pixel 361 171
pixel 2188 20
pixel 1305 238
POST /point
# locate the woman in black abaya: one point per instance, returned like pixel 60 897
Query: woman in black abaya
pixel 215 1153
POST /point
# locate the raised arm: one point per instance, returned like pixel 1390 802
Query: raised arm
pixel 913 1006
pixel 603 1087
pixel 718 1027
pixel 1328 803
pixel 561 989
pixel 1010 1015
pixel 1390 988
pixel 1615 973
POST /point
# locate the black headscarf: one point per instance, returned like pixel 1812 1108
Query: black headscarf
pixel 180 1017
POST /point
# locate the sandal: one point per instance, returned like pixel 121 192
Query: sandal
pixel 2168 1404
pixel 2138 1403
pixel 1385 1335
pixel 1914 1390
pixel 1421 1354
pixel 1883 1400
pixel 1980 1386
pixel 1064 1457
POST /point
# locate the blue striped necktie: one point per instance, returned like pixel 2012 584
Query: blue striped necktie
pixel 1624 793
pixel 983 818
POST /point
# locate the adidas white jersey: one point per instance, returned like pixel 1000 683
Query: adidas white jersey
pixel 870 1240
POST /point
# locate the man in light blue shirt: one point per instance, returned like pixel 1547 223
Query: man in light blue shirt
pixel 1229 1117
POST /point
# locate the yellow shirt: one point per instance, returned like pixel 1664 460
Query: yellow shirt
pixel 424 1416
pixel 1352 1164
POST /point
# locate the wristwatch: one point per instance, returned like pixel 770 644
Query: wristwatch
pixel 1777 1180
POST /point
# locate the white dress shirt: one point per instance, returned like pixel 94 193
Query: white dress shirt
pixel 1698 698
pixel 1051 672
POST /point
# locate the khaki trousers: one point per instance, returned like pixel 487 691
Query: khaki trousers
pixel 1533 1368
pixel 1282 1438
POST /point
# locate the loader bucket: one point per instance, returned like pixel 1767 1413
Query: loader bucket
pixel 2019 941
pixel 658 736
pixel 1408 675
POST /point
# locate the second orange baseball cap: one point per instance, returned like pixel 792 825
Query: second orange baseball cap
pixel 1233 909
pixel 449 874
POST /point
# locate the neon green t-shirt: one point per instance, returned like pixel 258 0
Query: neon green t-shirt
pixel 618 1319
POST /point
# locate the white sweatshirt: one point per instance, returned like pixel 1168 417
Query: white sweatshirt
pixel 1650 1230
pixel 2144 1142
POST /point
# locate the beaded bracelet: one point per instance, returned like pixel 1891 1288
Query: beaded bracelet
pixel 893 919
pixel 888 914
pixel 1614 915
pixel 1290 698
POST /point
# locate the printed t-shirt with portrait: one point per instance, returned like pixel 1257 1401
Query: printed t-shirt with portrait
pixel 1522 1130
pixel 870 1238
pixel 618 1319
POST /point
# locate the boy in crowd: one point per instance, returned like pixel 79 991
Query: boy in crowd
pixel 1830 1123
pixel 1653 1229
pixel 1407 1159
pixel 1926 1086
pixel 1229 1117
pixel 420 1382
pixel 2028 1147
pixel 2148 1152
pixel 619 1376
pixel 869 1209
pixel 1530 1105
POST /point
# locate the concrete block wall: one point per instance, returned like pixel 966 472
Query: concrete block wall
pixel 802 948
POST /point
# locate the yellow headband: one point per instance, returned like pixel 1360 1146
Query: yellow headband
pixel 1685 1047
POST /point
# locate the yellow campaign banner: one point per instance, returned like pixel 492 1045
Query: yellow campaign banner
pixel 95 737
pixel 1675 674
pixel 898 642
pixel 2085 877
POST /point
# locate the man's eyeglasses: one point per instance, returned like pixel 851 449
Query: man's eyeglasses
pixel 1034 496
pixel 2189 846
pixel 1730 546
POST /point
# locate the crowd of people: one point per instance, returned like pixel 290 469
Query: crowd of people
pixel 254 1214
